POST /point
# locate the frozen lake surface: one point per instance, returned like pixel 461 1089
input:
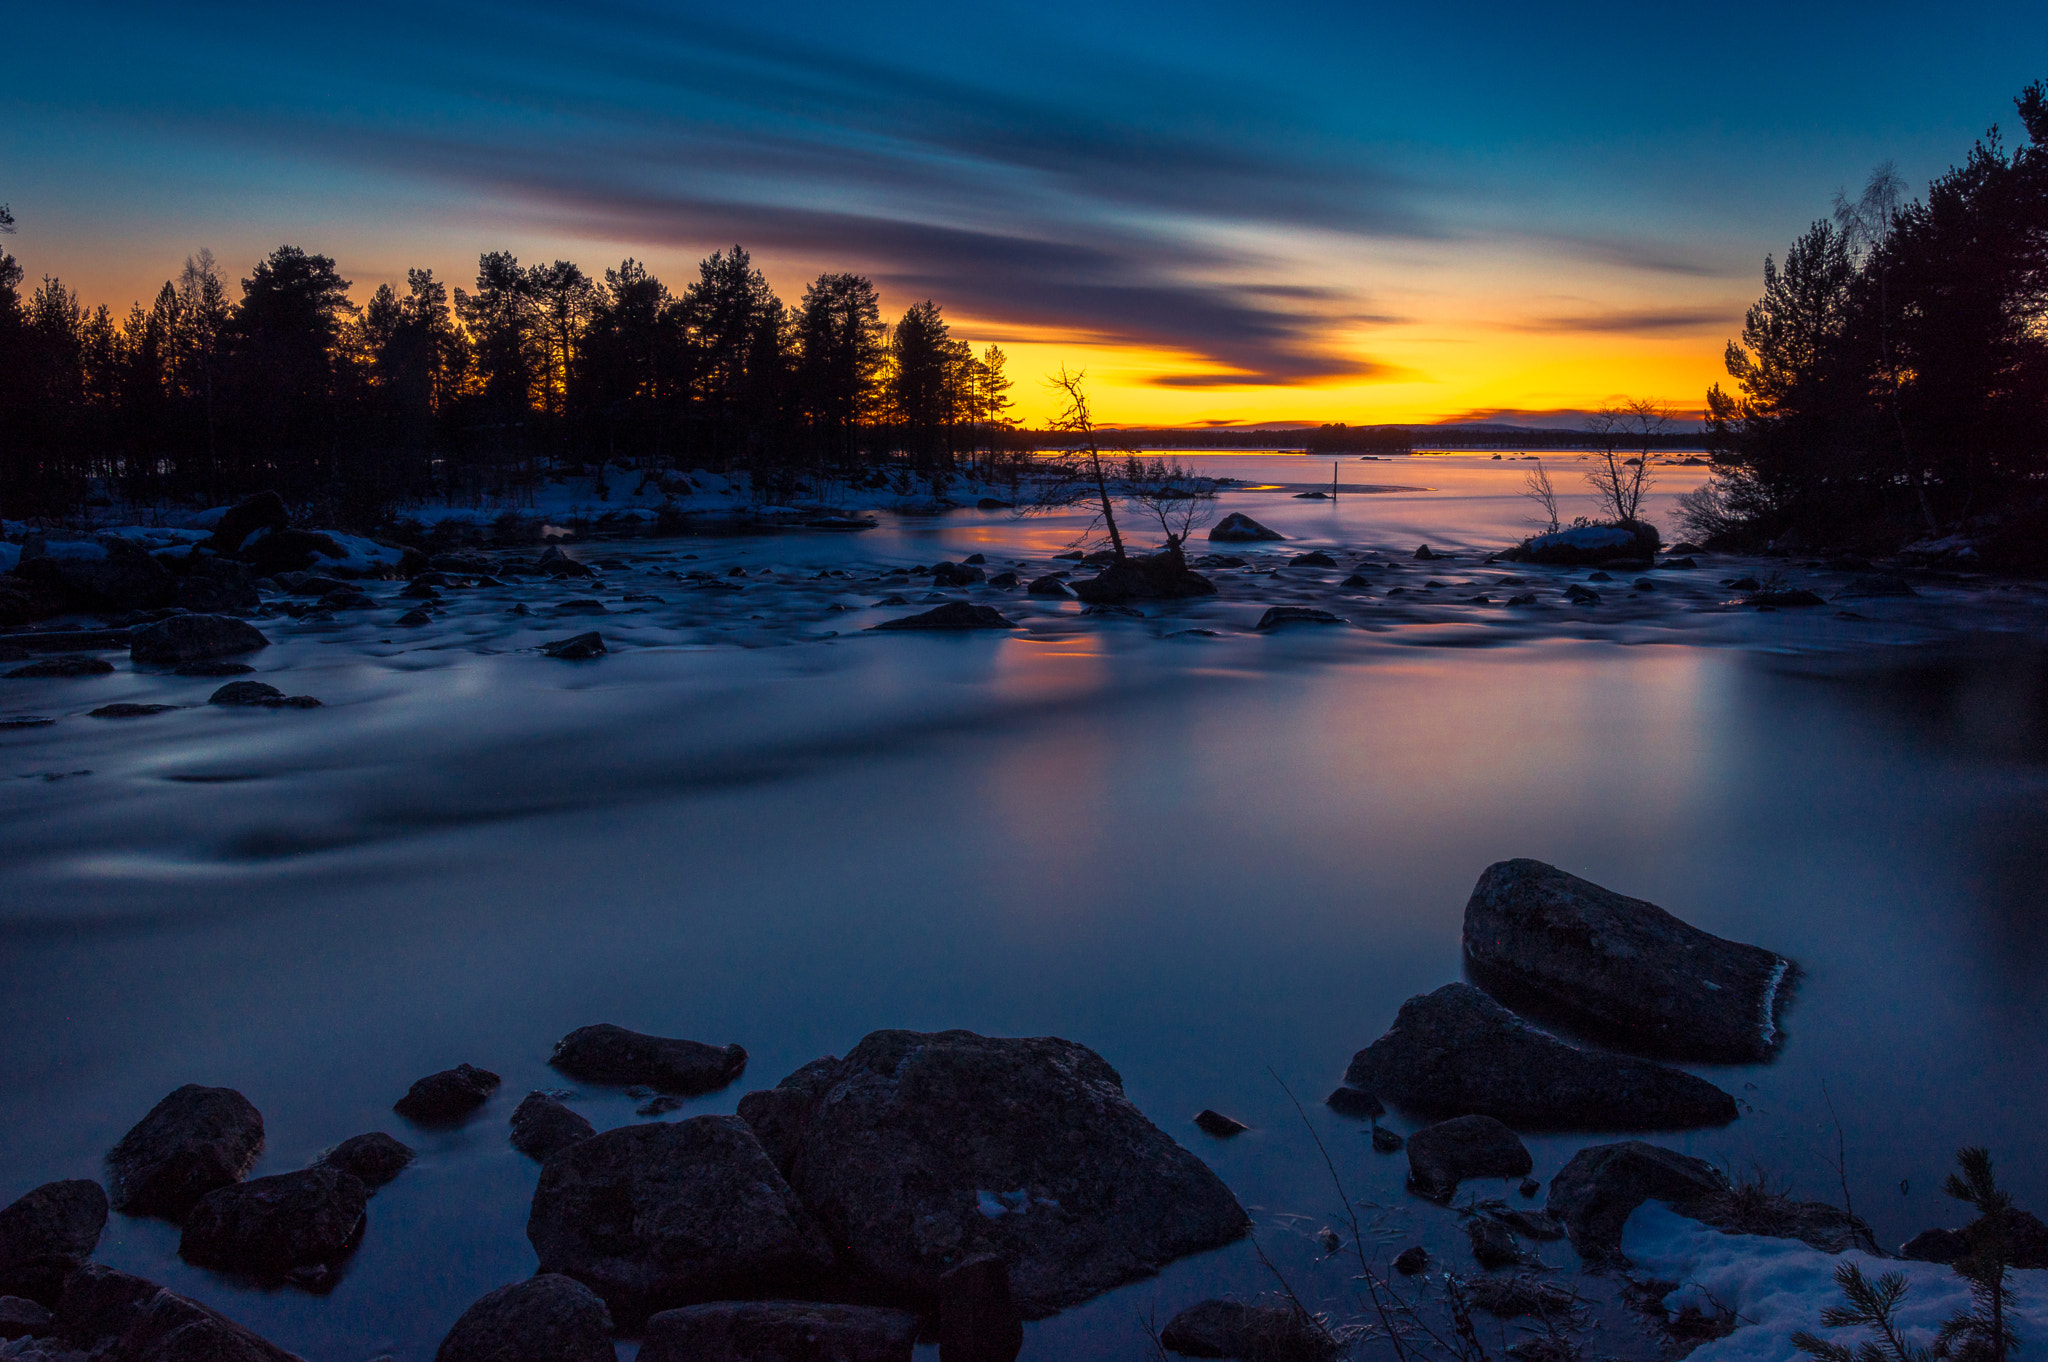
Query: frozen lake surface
pixel 1212 859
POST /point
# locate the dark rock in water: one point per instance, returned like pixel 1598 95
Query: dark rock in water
pixel 1678 563
pixel 1525 598
pixel 1443 1155
pixel 1622 966
pixel 1313 558
pixel 114 1317
pixel 62 666
pixel 1386 1141
pixel 194 638
pixel 1162 576
pixel 1411 1260
pixel 1581 595
pixel 541 1125
pixel 1239 528
pixel 1596 1192
pixel 374 1158
pixel 22 1318
pixel 1493 1245
pixel 974 560
pixel 448 1096
pixel 891 601
pixel 47 1233
pixel 1355 1102
pixel 270 1226
pixel 1643 584
pixel 348 598
pixel 467 562
pixel 548 1318
pixel 1457 1050
pixel 214 669
pixel 1583 545
pixel 581 607
pixel 1217 1124
pixel 978 1318
pixel 1873 585
pixel 1258 1333
pixel 282 551
pixel 662 1215
pixel 1123 610
pixel 264 511
pixel 1003 580
pixel 413 619
pixel 25 721
pixel 128 711
pixel 1598 577
pixel 1530 1187
pixel 918 1150
pixel 1529 1224
pixel 217 586
pixel 1281 615
pixel 246 693
pixel 1427 554
pixel 779 1331
pixel 193 1141
pixel 952 615
pixel 612 1054
pixel 1356 581
pixel 577 648
pixel 1783 600
pixel 1054 585
pixel 956 574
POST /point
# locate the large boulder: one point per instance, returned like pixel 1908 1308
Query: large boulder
pixel 109 573
pixel 194 638
pixel 542 1124
pixel 667 1214
pixel 547 1318
pixel 611 1054
pixel 47 1233
pixel 271 1227
pixel 951 615
pixel 1625 968
pixel 114 1317
pixel 1257 1333
pixel 1162 576
pixel 275 552
pixel 264 511
pixel 921 1150
pixel 1457 1052
pixel 193 1141
pixel 1239 528
pixel 779 1331
pixel 1596 1192
pixel 1584 545
pixel 1441 1156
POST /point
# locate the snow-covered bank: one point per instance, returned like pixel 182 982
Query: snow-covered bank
pixel 1778 1286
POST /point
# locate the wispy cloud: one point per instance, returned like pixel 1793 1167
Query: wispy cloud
pixel 1633 322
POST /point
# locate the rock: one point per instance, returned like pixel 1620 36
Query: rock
pixel 413 619
pixel 1353 1102
pixel 1282 615
pixel 1054 585
pixel 1162 576
pixel 541 1125
pixel 213 669
pixel 374 1158
pixel 115 1317
pixel 1643 584
pixel 21 1318
pixel 45 1234
pixel 448 1096
pixel 128 711
pixel 1624 967
pixel 268 1227
pixel 1221 1126
pixel 464 562
pixel 1411 1260
pixel 548 1318
pixel 1386 1141
pixel 1356 582
pixel 195 1140
pixel 1426 554
pixel 277 552
pixel 1239 528
pixel 1493 1245
pixel 919 1150
pixel 581 607
pixel 1458 1051
pixel 193 638
pixel 246 693
pixel 612 1054
pixel 1583 545
pixel 1596 1192
pixel 1003 580
pixel 952 615
pixel 779 1331
pixel 1875 584
pixel 1530 1187
pixel 1783 600
pixel 348 598
pixel 1598 577
pixel 668 1214
pixel 107 574
pixel 1744 584
pixel 1313 558
pixel 264 511
pixel 1581 595
pixel 70 665
pixel 956 574
pixel 978 1318
pixel 1440 1156
pixel 1935 1246
pixel 1259 1333
pixel 1529 1224
pixel 576 648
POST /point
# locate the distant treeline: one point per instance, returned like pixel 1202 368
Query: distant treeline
pixel 1329 439
pixel 206 395
pixel 1892 382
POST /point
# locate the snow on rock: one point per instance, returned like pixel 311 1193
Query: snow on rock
pixel 360 556
pixel 10 556
pixel 154 537
pixel 1777 1286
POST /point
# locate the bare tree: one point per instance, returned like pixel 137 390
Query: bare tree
pixel 1536 486
pixel 1622 483
pixel 1170 495
pixel 1078 474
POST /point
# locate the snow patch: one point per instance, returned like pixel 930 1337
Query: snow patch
pixel 359 555
pixel 10 557
pixel 1770 1017
pixel 995 1205
pixel 1585 537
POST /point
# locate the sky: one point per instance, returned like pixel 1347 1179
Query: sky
pixel 1224 213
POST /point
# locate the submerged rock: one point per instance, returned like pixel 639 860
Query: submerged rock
pixel 611 1054
pixel 1258 1333
pixel 194 638
pixel 1281 615
pixel 272 1226
pixel 1354 1102
pixel 1441 1156
pixel 375 1158
pixel 1622 966
pixel 541 1125
pixel 46 1233
pixel 1239 528
pixel 66 666
pixel 1457 1051
pixel 546 1318
pixel 668 1214
pixel 920 1150
pixel 128 711
pixel 779 1331
pixel 952 615
pixel 448 1096
pixel 261 695
pixel 114 1317
pixel 193 1141
pixel 576 648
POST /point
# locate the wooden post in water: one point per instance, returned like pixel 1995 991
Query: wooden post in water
pixel 1333 479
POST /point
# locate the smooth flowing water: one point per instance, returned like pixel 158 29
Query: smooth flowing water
pixel 1221 862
